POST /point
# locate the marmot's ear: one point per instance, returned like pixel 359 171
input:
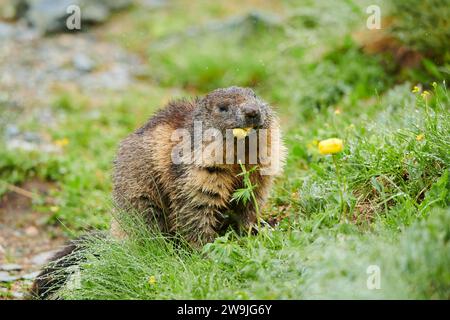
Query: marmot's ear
pixel 251 92
pixel 205 103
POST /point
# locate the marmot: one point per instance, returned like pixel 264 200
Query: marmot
pixel 193 197
pixel 186 187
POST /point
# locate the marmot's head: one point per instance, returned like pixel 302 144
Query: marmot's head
pixel 231 108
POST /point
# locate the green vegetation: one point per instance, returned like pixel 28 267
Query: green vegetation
pixel 286 263
pixel 423 25
pixel 394 168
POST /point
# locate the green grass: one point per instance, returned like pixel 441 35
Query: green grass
pixel 81 171
pixel 394 167
pixel 398 199
pixel 276 264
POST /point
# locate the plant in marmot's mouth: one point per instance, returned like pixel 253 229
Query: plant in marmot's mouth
pixel 247 193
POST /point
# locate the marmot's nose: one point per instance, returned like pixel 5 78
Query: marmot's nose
pixel 251 111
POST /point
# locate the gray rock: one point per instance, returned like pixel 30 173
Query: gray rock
pixel 6 277
pixel 17 295
pixel 116 78
pixel 50 15
pixel 30 276
pixel 242 26
pixel 96 12
pixel 42 258
pixel 20 144
pixel 6 31
pixel 83 63
pixel 31 137
pixel 116 4
pixel 11 131
pixel 154 4
pixel 10 267
pixel 46 116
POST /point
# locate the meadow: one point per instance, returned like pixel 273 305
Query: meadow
pixel 383 202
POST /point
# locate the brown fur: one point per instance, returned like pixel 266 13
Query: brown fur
pixel 193 200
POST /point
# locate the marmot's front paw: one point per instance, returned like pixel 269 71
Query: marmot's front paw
pixel 200 240
pixel 249 228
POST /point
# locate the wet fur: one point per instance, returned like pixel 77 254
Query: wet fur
pixel 189 199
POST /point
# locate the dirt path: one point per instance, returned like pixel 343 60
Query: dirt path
pixel 31 67
pixel 26 240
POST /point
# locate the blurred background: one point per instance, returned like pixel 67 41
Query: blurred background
pixel 69 95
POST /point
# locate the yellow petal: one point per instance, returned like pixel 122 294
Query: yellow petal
pixel 424 94
pixel 62 142
pixel 331 146
pixel 416 89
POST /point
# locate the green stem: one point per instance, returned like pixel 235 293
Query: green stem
pixel 343 207
pixel 255 203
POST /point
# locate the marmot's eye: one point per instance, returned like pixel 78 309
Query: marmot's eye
pixel 223 107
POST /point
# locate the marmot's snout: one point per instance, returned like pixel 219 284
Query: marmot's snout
pixel 253 116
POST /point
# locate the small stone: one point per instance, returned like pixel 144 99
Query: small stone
pixel 10 267
pixel 17 295
pixel 96 12
pixel 49 16
pixel 83 63
pixel 31 231
pixel 6 277
pixel 6 31
pixel 11 131
pixel 154 4
pixel 42 258
pixel 31 137
pixel 30 276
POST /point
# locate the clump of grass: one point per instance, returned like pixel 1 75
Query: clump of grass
pixel 145 265
pixel 422 25
pixel 276 265
pixel 206 65
pixel 389 164
pixel 411 265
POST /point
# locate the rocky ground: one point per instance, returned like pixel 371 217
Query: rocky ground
pixel 32 66
pixel 26 241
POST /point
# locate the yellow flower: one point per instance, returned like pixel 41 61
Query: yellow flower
pixel 241 133
pixel 331 146
pixel 420 137
pixel 416 89
pixel 425 94
pixel 62 142
pixel 151 280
